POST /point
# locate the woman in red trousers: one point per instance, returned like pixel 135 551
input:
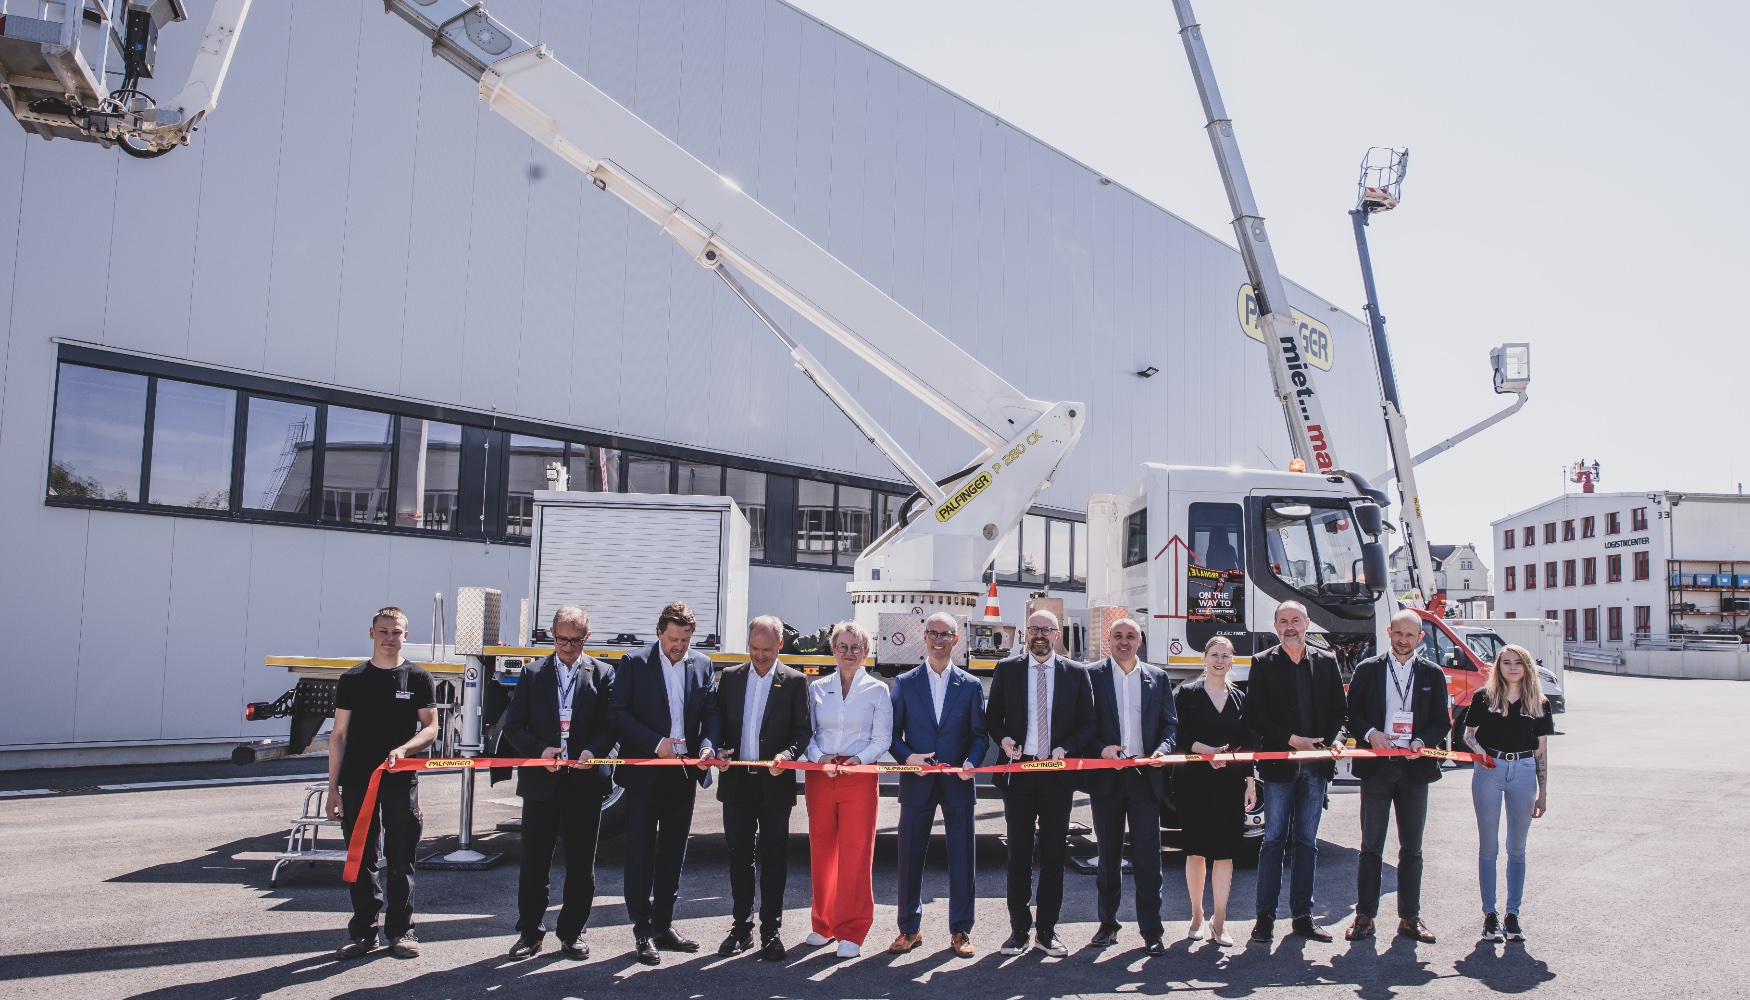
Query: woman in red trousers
pixel 853 723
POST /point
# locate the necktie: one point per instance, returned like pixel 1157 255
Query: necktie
pixel 1042 710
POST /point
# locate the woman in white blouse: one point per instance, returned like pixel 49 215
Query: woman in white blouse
pixel 853 723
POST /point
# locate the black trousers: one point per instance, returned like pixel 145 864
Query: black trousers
pixel 572 814
pixel 1394 786
pixel 1036 803
pixel 758 826
pixel 392 841
pixel 659 817
pixel 1132 802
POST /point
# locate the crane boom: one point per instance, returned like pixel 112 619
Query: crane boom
pixel 1290 375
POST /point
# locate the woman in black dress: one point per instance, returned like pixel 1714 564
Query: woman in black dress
pixel 1213 797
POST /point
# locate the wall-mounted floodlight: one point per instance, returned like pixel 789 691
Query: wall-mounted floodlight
pixel 1150 372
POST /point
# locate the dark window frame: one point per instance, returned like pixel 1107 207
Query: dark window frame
pixel 1568 530
pixel 1589 571
pixel 1643 566
pixel 1638 519
pixel 1531 576
pixel 1509 538
pixel 1589 526
pixel 1613 568
pixel 1511 583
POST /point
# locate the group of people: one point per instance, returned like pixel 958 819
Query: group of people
pixel 667 701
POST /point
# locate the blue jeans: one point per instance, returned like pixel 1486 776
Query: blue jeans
pixel 1515 782
pixel 1291 810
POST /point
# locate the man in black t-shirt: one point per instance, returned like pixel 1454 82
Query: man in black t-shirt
pixel 384 709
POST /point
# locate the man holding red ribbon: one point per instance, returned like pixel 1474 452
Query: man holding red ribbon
pixel 384 710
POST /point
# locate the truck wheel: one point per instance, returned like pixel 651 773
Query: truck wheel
pixel 614 814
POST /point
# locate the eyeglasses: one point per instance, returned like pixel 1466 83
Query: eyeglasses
pixel 561 640
pixel 857 648
pixel 931 633
pixel 1033 630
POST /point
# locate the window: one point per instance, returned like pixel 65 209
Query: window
pixel 1588 527
pixel 1007 562
pixel 1032 549
pixel 1568 530
pixel 647 474
pixel 1439 647
pixel 1464 584
pixel 529 459
pixel 1549 575
pixel 1319 555
pixel 814 523
pixel 1643 621
pixel 1569 631
pixel 1057 552
pixel 1567 572
pixel 1553 615
pixel 1136 538
pixel 1530 535
pixel 593 469
pixel 1078 572
pixel 1512 614
pixel 1589 571
pixel 699 479
pixel 427 471
pixel 1508 538
pixel 1466 564
pixel 1531 576
pixel 279 453
pixel 356 463
pixel 749 492
pixel 1643 566
pixel 99 434
pixel 190 452
pixel 856 509
pixel 1590 617
pixel 1549 533
pixel 1612 524
pixel 1613 624
pixel 1638 519
pixel 1512 581
pixel 1613 569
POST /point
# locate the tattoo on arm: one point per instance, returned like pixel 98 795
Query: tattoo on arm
pixel 1542 758
pixel 1470 739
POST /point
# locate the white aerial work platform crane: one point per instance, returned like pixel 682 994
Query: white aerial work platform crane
pixel 54 71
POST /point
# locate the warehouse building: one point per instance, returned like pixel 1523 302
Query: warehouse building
pixel 317 362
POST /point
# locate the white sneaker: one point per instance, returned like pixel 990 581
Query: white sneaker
pixel 849 949
pixel 815 940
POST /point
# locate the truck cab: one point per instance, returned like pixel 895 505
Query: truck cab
pixel 1195 552
pixel 1457 656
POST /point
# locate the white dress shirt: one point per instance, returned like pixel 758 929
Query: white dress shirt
pixel 1049 665
pixel 753 711
pixel 1400 690
pixel 1129 690
pixel 674 678
pixel 938 686
pixel 858 725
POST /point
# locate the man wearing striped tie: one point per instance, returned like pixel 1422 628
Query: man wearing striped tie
pixel 1041 708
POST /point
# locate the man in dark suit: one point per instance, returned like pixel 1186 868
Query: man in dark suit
pixel 765 717
pixel 1396 699
pixel 664 705
pixel 1294 701
pixel 1137 719
pixel 1041 708
pixel 938 718
pixel 560 712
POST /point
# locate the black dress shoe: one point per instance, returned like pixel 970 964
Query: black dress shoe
pixel 1305 927
pixel 668 940
pixel 527 946
pixel 576 949
pixel 1264 931
pixel 647 953
pixel 1105 937
pixel 773 950
pixel 1154 946
pixel 737 942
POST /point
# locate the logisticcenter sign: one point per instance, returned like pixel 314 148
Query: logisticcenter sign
pixel 1317 346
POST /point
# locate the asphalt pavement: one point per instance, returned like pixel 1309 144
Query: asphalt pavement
pixel 149 882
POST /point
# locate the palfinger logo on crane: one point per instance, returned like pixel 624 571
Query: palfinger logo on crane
pixel 1316 342
pixel 953 504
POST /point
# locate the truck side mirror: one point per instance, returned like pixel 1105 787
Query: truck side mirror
pixel 1370 519
pixel 1374 572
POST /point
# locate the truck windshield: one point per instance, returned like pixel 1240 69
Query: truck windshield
pixel 1318 554
pixel 1485 644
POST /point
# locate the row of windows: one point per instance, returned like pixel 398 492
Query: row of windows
pixel 1587 618
pixel 1588 528
pixel 148 440
pixel 1588 574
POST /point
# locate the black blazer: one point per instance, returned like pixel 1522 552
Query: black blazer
pixel 1073 721
pixel 531 724
pixel 1285 698
pixel 638 711
pixel 1428 705
pixel 1160 723
pixel 785 729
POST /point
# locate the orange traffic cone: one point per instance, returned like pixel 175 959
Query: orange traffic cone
pixel 992 612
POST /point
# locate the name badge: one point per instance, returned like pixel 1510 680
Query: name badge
pixel 1402 726
pixel 564 729
pixel 404 695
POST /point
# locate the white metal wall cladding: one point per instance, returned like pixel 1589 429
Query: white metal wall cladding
pixel 674 555
pixel 352 215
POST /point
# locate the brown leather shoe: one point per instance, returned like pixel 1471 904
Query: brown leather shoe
pixel 905 942
pixel 1361 929
pixel 962 945
pixel 1416 929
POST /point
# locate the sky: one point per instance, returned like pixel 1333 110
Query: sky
pixel 1571 185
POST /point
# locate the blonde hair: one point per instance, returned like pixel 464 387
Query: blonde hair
pixel 1530 687
pixel 1216 640
pixel 859 631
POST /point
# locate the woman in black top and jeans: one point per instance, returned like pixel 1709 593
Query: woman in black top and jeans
pixel 1509 721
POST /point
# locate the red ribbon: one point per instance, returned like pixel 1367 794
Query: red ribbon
pixel 361 826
